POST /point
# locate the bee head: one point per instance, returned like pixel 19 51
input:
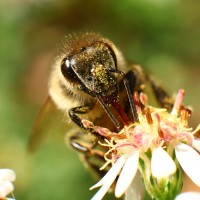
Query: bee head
pixel 89 65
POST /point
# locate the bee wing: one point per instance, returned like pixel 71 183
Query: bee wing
pixel 48 120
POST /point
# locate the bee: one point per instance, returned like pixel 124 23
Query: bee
pixel 90 79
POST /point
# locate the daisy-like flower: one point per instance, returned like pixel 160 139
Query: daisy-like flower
pixel 159 145
pixel 7 176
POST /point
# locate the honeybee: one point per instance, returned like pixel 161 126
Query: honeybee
pixel 90 79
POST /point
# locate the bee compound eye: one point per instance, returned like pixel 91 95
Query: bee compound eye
pixel 67 70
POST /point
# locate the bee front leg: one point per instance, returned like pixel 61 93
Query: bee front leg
pixel 78 121
pixel 79 110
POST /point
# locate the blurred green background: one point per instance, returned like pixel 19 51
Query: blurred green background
pixel 161 35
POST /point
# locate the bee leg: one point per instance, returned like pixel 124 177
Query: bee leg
pixel 134 84
pixel 95 167
pixel 78 121
pixel 162 97
pixel 77 145
pixel 87 148
pixel 136 80
pixel 89 152
pixel 78 110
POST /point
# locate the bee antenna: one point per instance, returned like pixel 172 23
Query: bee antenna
pixel 111 116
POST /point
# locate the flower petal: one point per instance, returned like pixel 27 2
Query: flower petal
pixel 127 174
pixel 9 199
pixel 162 164
pixel 3 192
pixel 136 190
pixel 109 178
pixel 196 145
pixel 188 195
pixel 7 175
pixel 116 167
pixel 189 160
pixel 6 187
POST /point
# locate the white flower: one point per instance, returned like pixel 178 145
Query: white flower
pixel 128 165
pixel 7 176
pixel 149 145
pixel 189 160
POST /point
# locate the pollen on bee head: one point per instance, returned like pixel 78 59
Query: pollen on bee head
pixel 73 62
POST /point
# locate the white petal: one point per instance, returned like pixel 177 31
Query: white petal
pixel 127 174
pixel 136 190
pixel 7 175
pixel 6 187
pixel 188 195
pixel 9 199
pixel 196 145
pixel 189 160
pixel 3 192
pixel 116 167
pixel 162 164
pixel 109 178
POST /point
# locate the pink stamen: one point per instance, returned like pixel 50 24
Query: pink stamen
pixel 87 123
pixel 178 102
pixel 157 116
pixel 103 131
pixel 144 99
pixel 136 100
pixel 125 145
